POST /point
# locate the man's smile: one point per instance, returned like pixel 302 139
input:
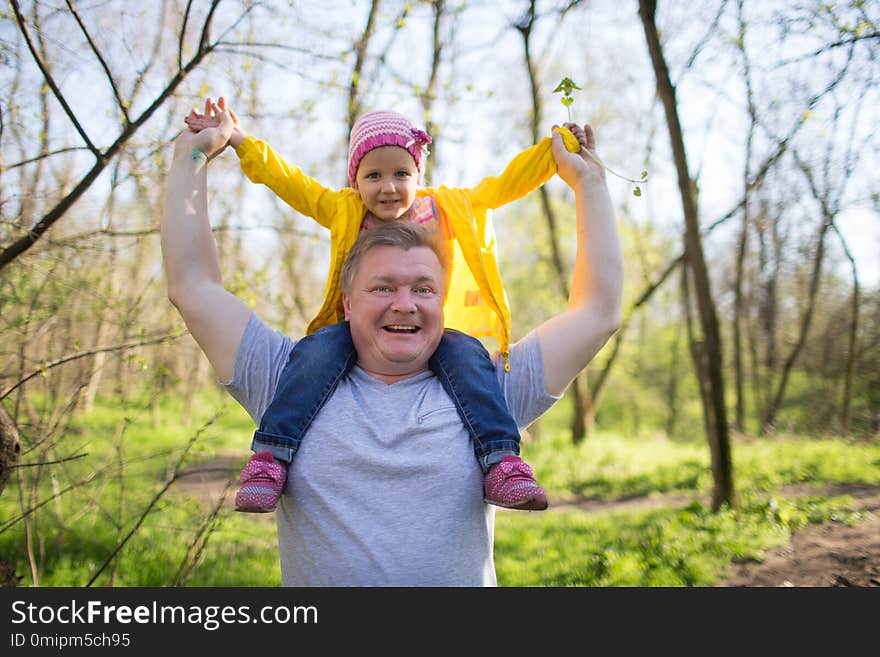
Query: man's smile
pixel 401 328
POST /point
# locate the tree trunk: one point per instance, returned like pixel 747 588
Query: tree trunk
pixel 742 246
pixel 694 344
pixel 770 258
pixel 672 388
pixel 852 358
pixel 769 420
pixel 360 49
pixel 710 362
pixel 10 447
pixel 426 97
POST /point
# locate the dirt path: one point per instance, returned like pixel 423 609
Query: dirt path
pixel 830 554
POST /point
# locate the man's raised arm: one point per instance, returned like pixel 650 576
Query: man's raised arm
pixel 215 317
pixel 570 340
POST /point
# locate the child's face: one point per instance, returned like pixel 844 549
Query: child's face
pixel 387 180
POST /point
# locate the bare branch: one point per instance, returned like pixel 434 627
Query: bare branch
pixel 90 352
pixel 100 58
pixel 25 242
pixel 821 51
pixel 182 35
pixel 157 47
pixel 711 31
pixel 13 521
pixel 53 462
pixel 176 473
pixel 197 546
pixel 154 230
pixel 22 24
pixel 43 155
pixel 206 26
pixel 275 46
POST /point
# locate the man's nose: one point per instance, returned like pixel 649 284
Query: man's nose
pixel 404 301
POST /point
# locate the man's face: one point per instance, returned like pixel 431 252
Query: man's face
pixel 395 308
pixel 387 180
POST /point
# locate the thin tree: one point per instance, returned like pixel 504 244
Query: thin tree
pixel 742 244
pixel 845 412
pixel 829 203
pixel 428 94
pixel 358 88
pixel 709 361
pixel 354 107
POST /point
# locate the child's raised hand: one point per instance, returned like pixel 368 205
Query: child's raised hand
pixel 573 167
pixel 212 139
pixel 198 121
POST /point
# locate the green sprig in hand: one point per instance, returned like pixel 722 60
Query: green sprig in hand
pixel 565 87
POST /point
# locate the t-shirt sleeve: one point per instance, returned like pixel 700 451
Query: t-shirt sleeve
pixel 262 354
pixel 524 388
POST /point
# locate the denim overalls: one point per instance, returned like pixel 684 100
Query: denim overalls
pixel 318 361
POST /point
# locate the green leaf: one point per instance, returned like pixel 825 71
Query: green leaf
pixel 567 100
pixel 637 191
pixel 566 86
pixel 644 175
pixel 569 85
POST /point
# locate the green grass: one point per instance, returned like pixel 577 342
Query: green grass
pixel 131 451
pixel 659 547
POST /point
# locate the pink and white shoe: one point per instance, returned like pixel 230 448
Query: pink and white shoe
pixel 511 484
pixel 262 482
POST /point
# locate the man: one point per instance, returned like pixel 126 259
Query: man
pixel 368 500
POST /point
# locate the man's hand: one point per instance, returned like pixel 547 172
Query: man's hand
pixel 580 167
pixel 197 122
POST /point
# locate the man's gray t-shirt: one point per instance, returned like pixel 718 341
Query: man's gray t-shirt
pixel 385 489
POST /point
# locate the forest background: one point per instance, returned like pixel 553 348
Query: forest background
pixel 751 239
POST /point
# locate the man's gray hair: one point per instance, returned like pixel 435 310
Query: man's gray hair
pixel 400 235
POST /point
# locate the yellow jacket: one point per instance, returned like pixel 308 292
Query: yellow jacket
pixel 476 303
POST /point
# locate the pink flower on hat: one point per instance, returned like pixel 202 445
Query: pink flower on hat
pixel 385 128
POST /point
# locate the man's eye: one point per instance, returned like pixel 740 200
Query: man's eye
pixel 424 290
pixel 382 289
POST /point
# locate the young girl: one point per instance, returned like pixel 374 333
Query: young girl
pixel 386 157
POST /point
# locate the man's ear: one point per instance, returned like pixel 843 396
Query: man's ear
pixel 346 306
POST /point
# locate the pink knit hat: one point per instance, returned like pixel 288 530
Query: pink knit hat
pixel 384 128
